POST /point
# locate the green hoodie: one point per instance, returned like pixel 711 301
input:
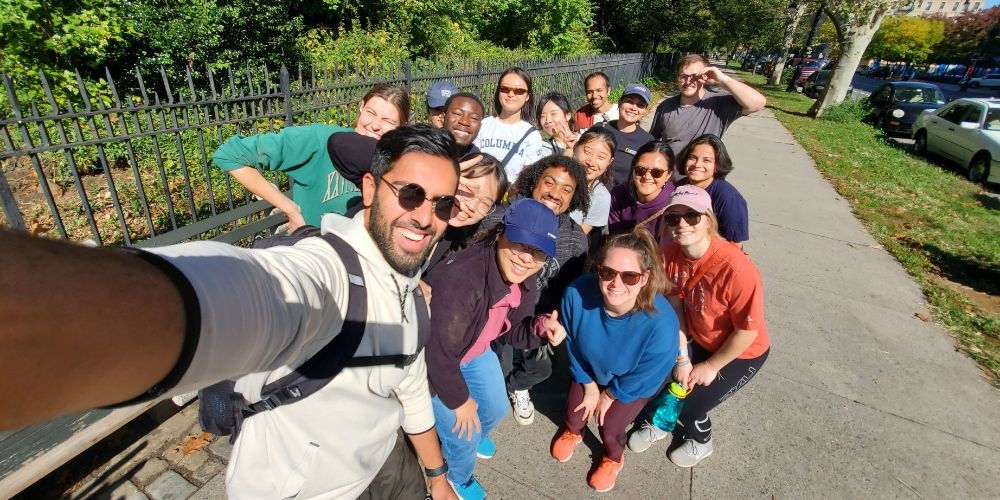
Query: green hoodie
pixel 301 153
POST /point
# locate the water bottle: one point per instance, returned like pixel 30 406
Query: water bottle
pixel 668 407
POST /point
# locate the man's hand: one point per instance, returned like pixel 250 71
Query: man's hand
pixel 472 161
pixel 712 75
pixel 441 489
pixel 590 400
pixel 554 329
pixel 467 419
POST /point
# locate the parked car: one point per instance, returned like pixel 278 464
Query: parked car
pixel 863 70
pixel 992 81
pixel 809 67
pixel 966 131
pixel 816 83
pixel 895 105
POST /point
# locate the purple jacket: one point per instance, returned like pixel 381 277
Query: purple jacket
pixel 465 286
pixel 626 212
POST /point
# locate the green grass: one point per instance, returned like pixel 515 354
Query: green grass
pixel 943 229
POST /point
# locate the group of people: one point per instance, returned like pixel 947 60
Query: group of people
pixel 527 228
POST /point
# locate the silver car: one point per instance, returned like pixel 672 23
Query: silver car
pixel 966 131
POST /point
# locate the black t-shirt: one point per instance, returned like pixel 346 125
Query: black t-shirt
pixel 628 144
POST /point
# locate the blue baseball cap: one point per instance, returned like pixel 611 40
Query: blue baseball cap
pixel 529 222
pixel 439 93
pixel 639 90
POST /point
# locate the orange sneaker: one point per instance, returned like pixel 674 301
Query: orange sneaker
pixel 603 479
pixel 565 445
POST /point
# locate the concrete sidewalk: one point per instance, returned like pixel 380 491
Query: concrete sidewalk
pixel 859 398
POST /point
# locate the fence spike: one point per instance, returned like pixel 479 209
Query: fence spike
pixel 190 82
pixel 211 82
pixel 48 92
pixel 166 85
pixel 83 90
pixel 114 88
pixel 142 87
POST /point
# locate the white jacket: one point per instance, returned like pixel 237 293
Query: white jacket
pixel 264 312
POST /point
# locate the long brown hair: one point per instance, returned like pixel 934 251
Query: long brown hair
pixel 641 241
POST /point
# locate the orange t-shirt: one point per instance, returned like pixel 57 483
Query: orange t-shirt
pixel 729 296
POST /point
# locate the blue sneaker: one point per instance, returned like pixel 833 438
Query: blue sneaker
pixel 471 490
pixel 486 449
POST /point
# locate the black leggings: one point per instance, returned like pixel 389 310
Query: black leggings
pixel 732 377
pixel 522 369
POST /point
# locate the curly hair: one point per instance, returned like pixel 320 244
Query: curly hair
pixel 529 177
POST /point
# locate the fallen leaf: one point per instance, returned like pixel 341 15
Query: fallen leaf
pixel 922 316
pixel 194 443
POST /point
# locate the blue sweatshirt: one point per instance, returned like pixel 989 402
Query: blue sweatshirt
pixel 631 355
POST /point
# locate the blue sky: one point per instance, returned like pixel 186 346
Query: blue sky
pixel 990 3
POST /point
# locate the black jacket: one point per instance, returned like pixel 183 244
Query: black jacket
pixel 465 287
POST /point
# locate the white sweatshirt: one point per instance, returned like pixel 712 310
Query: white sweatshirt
pixel 264 312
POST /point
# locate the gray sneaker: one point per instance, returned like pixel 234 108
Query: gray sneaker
pixel 524 409
pixel 690 453
pixel 642 438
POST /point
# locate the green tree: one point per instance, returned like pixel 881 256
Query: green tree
pixel 907 39
pixel 969 34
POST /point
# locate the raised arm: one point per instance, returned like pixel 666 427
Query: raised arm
pixel 748 97
pixel 83 327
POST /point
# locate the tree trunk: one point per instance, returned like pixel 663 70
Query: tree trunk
pixel 855 29
pixel 793 23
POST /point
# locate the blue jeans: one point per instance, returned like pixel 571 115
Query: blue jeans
pixel 487 388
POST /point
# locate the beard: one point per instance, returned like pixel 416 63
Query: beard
pixel 380 230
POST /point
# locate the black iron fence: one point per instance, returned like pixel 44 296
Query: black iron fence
pixel 132 167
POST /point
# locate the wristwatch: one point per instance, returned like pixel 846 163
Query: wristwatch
pixel 443 469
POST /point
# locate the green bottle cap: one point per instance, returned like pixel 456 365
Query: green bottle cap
pixel 677 390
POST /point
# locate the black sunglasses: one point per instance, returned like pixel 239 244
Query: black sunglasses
pixel 411 196
pixel 630 278
pixel 692 218
pixel 655 172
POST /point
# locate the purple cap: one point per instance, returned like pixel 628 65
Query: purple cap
pixel 639 90
pixel 439 93
pixel 529 222
pixel 692 197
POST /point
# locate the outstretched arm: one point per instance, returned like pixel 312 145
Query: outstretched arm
pixel 82 327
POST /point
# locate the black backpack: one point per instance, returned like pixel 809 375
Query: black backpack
pixel 223 409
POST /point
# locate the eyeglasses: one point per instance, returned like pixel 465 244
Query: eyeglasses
pixel 536 254
pixel 695 76
pixel 466 196
pixel 512 90
pixel 692 218
pixel 655 172
pixel 411 196
pixel 630 278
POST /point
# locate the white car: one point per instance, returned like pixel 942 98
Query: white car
pixel 991 81
pixel 966 131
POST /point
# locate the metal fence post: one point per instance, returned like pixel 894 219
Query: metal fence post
pixel 408 75
pixel 286 93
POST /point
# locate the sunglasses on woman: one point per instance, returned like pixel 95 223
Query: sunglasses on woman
pixel 655 172
pixel 411 196
pixel 513 90
pixel 630 278
pixel 692 218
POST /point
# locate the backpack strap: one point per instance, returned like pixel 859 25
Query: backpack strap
pixel 517 145
pixel 402 360
pixel 322 367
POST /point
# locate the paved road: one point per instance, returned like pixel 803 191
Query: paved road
pixel 951 90
pixel 859 399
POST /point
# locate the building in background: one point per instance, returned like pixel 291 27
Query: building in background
pixel 946 8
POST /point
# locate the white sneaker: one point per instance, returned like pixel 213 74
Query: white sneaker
pixel 524 409
pixel 642 438
pixel 690 453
